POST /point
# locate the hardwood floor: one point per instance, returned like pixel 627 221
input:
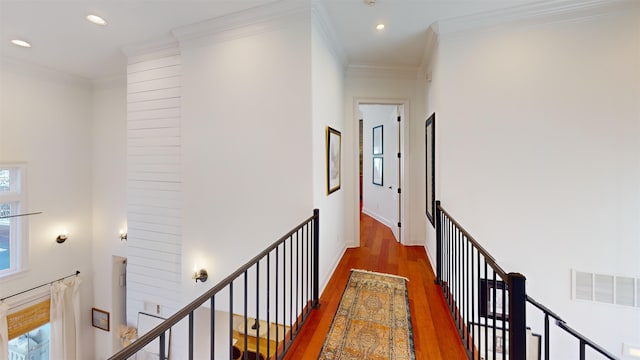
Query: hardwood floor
pixel 434 333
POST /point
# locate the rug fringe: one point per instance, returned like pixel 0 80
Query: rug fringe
pixel 379 273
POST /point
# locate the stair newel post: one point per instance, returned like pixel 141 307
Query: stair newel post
pixel 517 316
pixel 316 256
pixel 438 243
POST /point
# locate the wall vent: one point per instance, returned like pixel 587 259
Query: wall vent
pixel 583 286
pixel 604 288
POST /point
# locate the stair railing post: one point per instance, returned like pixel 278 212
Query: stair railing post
pixel 316 256
pixel 517 316
pixel 438 243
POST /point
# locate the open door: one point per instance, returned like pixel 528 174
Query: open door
pixel 381 164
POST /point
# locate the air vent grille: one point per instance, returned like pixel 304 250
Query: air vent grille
pixel 605 288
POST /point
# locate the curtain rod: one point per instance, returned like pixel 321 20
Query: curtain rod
pixel 19 215
pixel 39 286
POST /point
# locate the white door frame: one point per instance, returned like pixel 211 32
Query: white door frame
pixel 404 146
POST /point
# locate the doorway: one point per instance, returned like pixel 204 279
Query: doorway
pixel 381 164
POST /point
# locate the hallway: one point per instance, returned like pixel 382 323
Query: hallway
pixel 435 336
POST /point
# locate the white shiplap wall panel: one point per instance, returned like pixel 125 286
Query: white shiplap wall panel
pixel 153 124
pixel 162 186
pixel 154 211
pixel 153 150
pixel 154 104
pixel 152 85
pixel 153 159
pixel 158 133
pixel 153 142
pixel 154 219
pixel 154 255
pixel 154 95
pixel 154 64
pixel 167 113
pixel 159 73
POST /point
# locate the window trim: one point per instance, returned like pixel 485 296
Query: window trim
pixel 19 236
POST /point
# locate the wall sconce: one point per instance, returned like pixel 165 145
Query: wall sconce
pixel 123 235
pixel 200 275
pixel 62 237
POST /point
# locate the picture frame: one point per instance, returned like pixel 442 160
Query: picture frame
pixel 377 171
pixel 334 157
pixel 430 167
pixel 100 319
pixel 378 140
pixel 487 289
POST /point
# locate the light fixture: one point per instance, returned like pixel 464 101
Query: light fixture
pixel 201 275
pixel 380 27
pixel 123 235
pixel 96 19
pixel 20 43
pixel 62 237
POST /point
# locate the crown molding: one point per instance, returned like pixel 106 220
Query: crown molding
pixel 429 47
pixel 536 13
pixel 158 47
pixel 321 20
pixel 363 70
pixel 242 23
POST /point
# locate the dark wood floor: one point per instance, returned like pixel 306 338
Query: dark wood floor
pixel 434 333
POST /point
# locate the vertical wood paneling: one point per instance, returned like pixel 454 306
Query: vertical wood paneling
pixel 153 187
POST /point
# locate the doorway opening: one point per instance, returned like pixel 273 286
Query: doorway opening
pixel 381 164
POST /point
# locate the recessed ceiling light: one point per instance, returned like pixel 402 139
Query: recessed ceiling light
pixel 380 27
pixel 96 19
pixel 21 43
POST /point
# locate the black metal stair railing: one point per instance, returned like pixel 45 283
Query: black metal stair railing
pixel 283 283
pixel 487 304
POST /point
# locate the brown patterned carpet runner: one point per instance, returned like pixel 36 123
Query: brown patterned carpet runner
pixel 372 321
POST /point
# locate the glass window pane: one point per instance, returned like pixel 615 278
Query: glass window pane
pixel 5 235
pixel 33 345
pixel 5 180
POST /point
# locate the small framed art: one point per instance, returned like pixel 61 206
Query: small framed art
pixel 100 319
pixel 333 160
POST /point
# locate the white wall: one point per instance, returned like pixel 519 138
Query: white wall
pixel 398 87
pixel 109 141
pixel 246 160
pixel 538 133
pixel 45 119
pixel 327 77
pixel 380 202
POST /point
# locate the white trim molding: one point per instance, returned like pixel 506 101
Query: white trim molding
pixel 534 14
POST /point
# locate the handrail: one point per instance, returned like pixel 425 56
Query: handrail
pixel 584 340
pixel 491 260
pixel 154 333
pixel 544 309
pixel 515 317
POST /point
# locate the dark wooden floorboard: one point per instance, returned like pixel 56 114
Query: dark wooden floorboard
pixel 435 336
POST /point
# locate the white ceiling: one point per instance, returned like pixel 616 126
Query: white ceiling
pixel 63 40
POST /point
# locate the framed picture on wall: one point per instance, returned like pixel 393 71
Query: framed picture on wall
pixel 333 160
pixel 100 319
pixel 377 170
pixel 378 137
pixel 494 299
pixel 430 166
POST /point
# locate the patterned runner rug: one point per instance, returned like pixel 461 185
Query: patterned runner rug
pixel 372 321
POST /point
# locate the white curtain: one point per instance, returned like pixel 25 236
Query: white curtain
pixel 4 332
pixel 65 320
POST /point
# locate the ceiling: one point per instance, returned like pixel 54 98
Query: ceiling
pixel 62 39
